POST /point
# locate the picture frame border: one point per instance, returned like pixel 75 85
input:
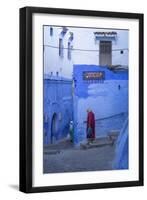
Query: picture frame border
pixel 25 99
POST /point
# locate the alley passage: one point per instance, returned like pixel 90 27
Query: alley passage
pixel 63 157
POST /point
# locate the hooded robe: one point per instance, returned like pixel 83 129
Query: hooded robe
pixel 91 124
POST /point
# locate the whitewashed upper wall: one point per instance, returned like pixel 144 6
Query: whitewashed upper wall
pixel 83 39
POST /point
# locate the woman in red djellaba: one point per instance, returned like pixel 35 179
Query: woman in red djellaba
pixel 90 125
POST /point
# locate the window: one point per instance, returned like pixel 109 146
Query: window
pixel 69 51
pixel 70 39
pixel 105 55
pixel 51 31
pixel 60 47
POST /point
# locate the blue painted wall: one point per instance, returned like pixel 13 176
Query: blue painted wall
pixel 57 101
pixel 106 99
pixel 121 160
pixel 82 85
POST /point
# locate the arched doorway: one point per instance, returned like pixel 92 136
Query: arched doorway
pixel 54 127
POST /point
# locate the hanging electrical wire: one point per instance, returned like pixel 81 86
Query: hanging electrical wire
pixel 91 50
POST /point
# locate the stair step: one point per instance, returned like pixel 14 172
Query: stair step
pixel 97 143
pixel 51 152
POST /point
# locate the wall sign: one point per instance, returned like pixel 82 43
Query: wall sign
pixel 94 75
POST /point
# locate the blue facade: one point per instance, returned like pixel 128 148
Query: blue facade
pixel 121 154
pixel 106 97
pixel 82 85
pixel 57 108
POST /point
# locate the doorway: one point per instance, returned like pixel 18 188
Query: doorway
pixel 54 127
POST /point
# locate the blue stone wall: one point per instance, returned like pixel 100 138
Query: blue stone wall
pixel 106 99
pixel 57 102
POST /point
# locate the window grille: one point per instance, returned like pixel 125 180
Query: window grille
pixel 105 56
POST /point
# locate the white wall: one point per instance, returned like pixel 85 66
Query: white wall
pixel 52 61
pixel 84 39
pixel 9 113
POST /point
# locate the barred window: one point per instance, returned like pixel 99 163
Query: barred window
pixel 61 47
pixel 69 51
pixel 105 56
pixel 51 31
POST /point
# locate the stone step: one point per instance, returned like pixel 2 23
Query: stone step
pixel 113 135
pixel 51 152
pixel 97 143
pixel 62 144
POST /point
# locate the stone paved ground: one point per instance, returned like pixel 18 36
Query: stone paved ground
pixel 68 159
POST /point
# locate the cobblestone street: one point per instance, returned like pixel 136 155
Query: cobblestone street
pixel 70 159
pixel 63 157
